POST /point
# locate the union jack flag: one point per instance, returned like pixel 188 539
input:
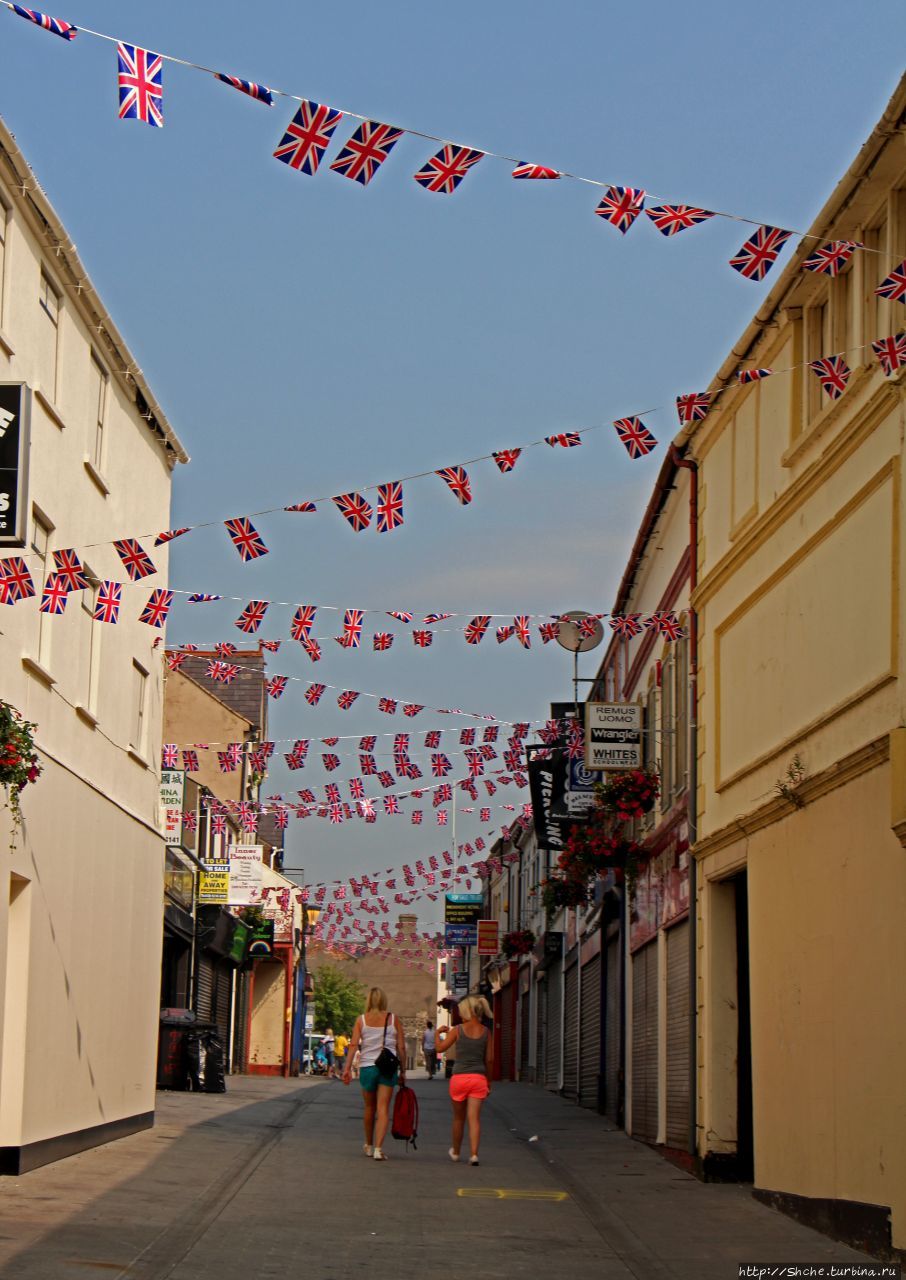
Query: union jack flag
pixel 389 506
pixel 307 136
pixel 627 626
pixel 636 437
pixel 222 672
pixel 831 258
pixel 190 761
pixel 352 628
pixel 565 439
pixel 300 748
pixel 276 686
pixel 416 817
pixel 391 804
pixel 422 639
pixel 281 817
pixel 401 743
pixel 894 287
pixel 346 699
pixel 432 738
pixel 307 795
pixel 15 581
pixel 366 151
pixel 140 85
pixel 330 742
pixel 759 253
pixel 506 459
pixel 314 693
pixel 330 762
pixel 272 646
pixel 457 481
pixel 549 631
pixel 155 611
pixel 401 616
pixel 169 756
pixel 664 624
pixel 56 25
pixel 354 509
pixel 525 170
pixel 381 640
pixel 189 818
pixel 107 605
pixel 368 765
pixel 521 627
pixel 201 598
pixel 694 406
pixel 891 353
pixel 412 708
pixel 368 742
pixel 303 621
pixel 256 91
pixel 169 534
pixel 441 817
pixel 175 660
pixel 252 616
pixel 246 538
pixel 447 168
pixel 357 788
pixel 385 778
pixel 70 571
pixel 670 219
pixel 224 649
pixel 753 375
pixel 440 764
pixel 312 648
pixel 484 815
pixel 301 506
pixel 432 618
pixel 621 206
pixel 388 706
pixel 504 633
pixel 466 737
pixel 833 373
pixel 475 763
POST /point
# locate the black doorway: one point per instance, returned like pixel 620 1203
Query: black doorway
pixel 745 1151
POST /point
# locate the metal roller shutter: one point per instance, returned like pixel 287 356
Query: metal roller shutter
pixel 590 1013
pixel 571 1035
pixel 554 1030
pixel 204 987
pixel 613 1033
pixel 644 1043
pixel 222 1002
pixel 678 1036
pixel 540 1024
pixel 524 1013
pixel 507 1033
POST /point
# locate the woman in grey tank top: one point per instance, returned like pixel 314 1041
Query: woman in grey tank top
pixel 470 1082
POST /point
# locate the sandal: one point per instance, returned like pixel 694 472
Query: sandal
pixel 378 1154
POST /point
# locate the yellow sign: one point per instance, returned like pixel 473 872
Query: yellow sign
pixel 502 1193
pixel 214 883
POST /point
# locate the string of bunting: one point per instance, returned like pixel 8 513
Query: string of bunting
pixel 310 131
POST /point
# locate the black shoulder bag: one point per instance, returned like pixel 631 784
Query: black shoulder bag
pixel 387 1062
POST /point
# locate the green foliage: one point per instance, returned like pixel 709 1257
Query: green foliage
pixel 338 1000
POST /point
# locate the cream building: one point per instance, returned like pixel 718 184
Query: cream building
pixel 80 918
pixel 801 739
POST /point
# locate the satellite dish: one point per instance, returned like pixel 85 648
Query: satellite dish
pixel 571 638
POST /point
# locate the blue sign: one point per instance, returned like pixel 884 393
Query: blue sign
pixel 461 935
pixel 469 899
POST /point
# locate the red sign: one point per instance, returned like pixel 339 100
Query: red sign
pixel 488 937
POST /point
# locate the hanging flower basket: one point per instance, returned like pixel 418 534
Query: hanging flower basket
pixel 18 758
pixel 517 943
pixel 563 891
pixel 629 795
pixel 591 851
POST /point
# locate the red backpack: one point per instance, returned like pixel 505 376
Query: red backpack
pixel 404 1124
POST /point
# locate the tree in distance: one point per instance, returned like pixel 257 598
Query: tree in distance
pixel 338 1000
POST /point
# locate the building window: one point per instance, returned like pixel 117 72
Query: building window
pixel 876 311
pixel 139 707
pixel 91 646
pixel 681 713
pixel 41 531
pixel 98 410
pixel 4 224
pixel 49 300
pixel 668 732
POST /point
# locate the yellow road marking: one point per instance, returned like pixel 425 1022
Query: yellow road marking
pixel 503 1193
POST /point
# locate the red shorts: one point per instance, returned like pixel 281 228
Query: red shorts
pixel 470 1084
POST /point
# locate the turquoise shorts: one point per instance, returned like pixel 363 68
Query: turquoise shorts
pixel 370 1078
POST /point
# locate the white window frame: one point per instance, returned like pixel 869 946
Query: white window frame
pixel 99 411
pixel 88 604
pixel 138 730
pixel 40 546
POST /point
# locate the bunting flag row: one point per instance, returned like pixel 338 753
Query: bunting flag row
pixel 386 513
pixel 309 133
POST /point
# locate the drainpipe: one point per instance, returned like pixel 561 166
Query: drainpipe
pixel 692 468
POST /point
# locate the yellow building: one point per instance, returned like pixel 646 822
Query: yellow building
pixel 801 745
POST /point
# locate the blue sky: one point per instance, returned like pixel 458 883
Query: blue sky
pixel 307 336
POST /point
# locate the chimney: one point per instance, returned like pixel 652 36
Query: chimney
pixel 408 924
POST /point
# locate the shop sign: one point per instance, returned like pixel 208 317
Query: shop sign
pixel 15 410
pixel 488 937
pixel 460 984
pixel 246 874
pixel 240 941
pixel 613 735
pixel 546 775
pixel 179 877
pixel 172 791
pixel 462 912
pixel 262 943
pixel 553 946
pixel 214 883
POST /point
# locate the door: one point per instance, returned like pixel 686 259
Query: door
pixel 554 1029
pixel 524 1041
pixel 745 1147
pixel 679 1042
pixel 222 1002
pixel 590 1046
pixel 507 1031
pixel 571 1034
pixel 644 1043
pixel 613 1032
pixel 540 1025
pixel 204 987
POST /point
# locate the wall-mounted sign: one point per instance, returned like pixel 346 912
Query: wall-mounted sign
pixel 246 874
pixel 15 411
pixel 172 791
pixel 462 912
pixel 214 883
pixel 488 937
pixel 613 735
pixel 262 943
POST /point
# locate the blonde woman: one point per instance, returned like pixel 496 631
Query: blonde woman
pixel 470 1082
pixel 375 1031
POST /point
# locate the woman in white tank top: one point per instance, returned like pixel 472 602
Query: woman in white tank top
pixel 373 1031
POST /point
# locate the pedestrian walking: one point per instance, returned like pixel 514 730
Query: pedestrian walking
pixel 379 1040
pixel 328 1044
pixel 470 1082
pixel 429 1049
pixel 340 1045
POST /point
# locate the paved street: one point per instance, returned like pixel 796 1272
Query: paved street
pixel 269 1181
